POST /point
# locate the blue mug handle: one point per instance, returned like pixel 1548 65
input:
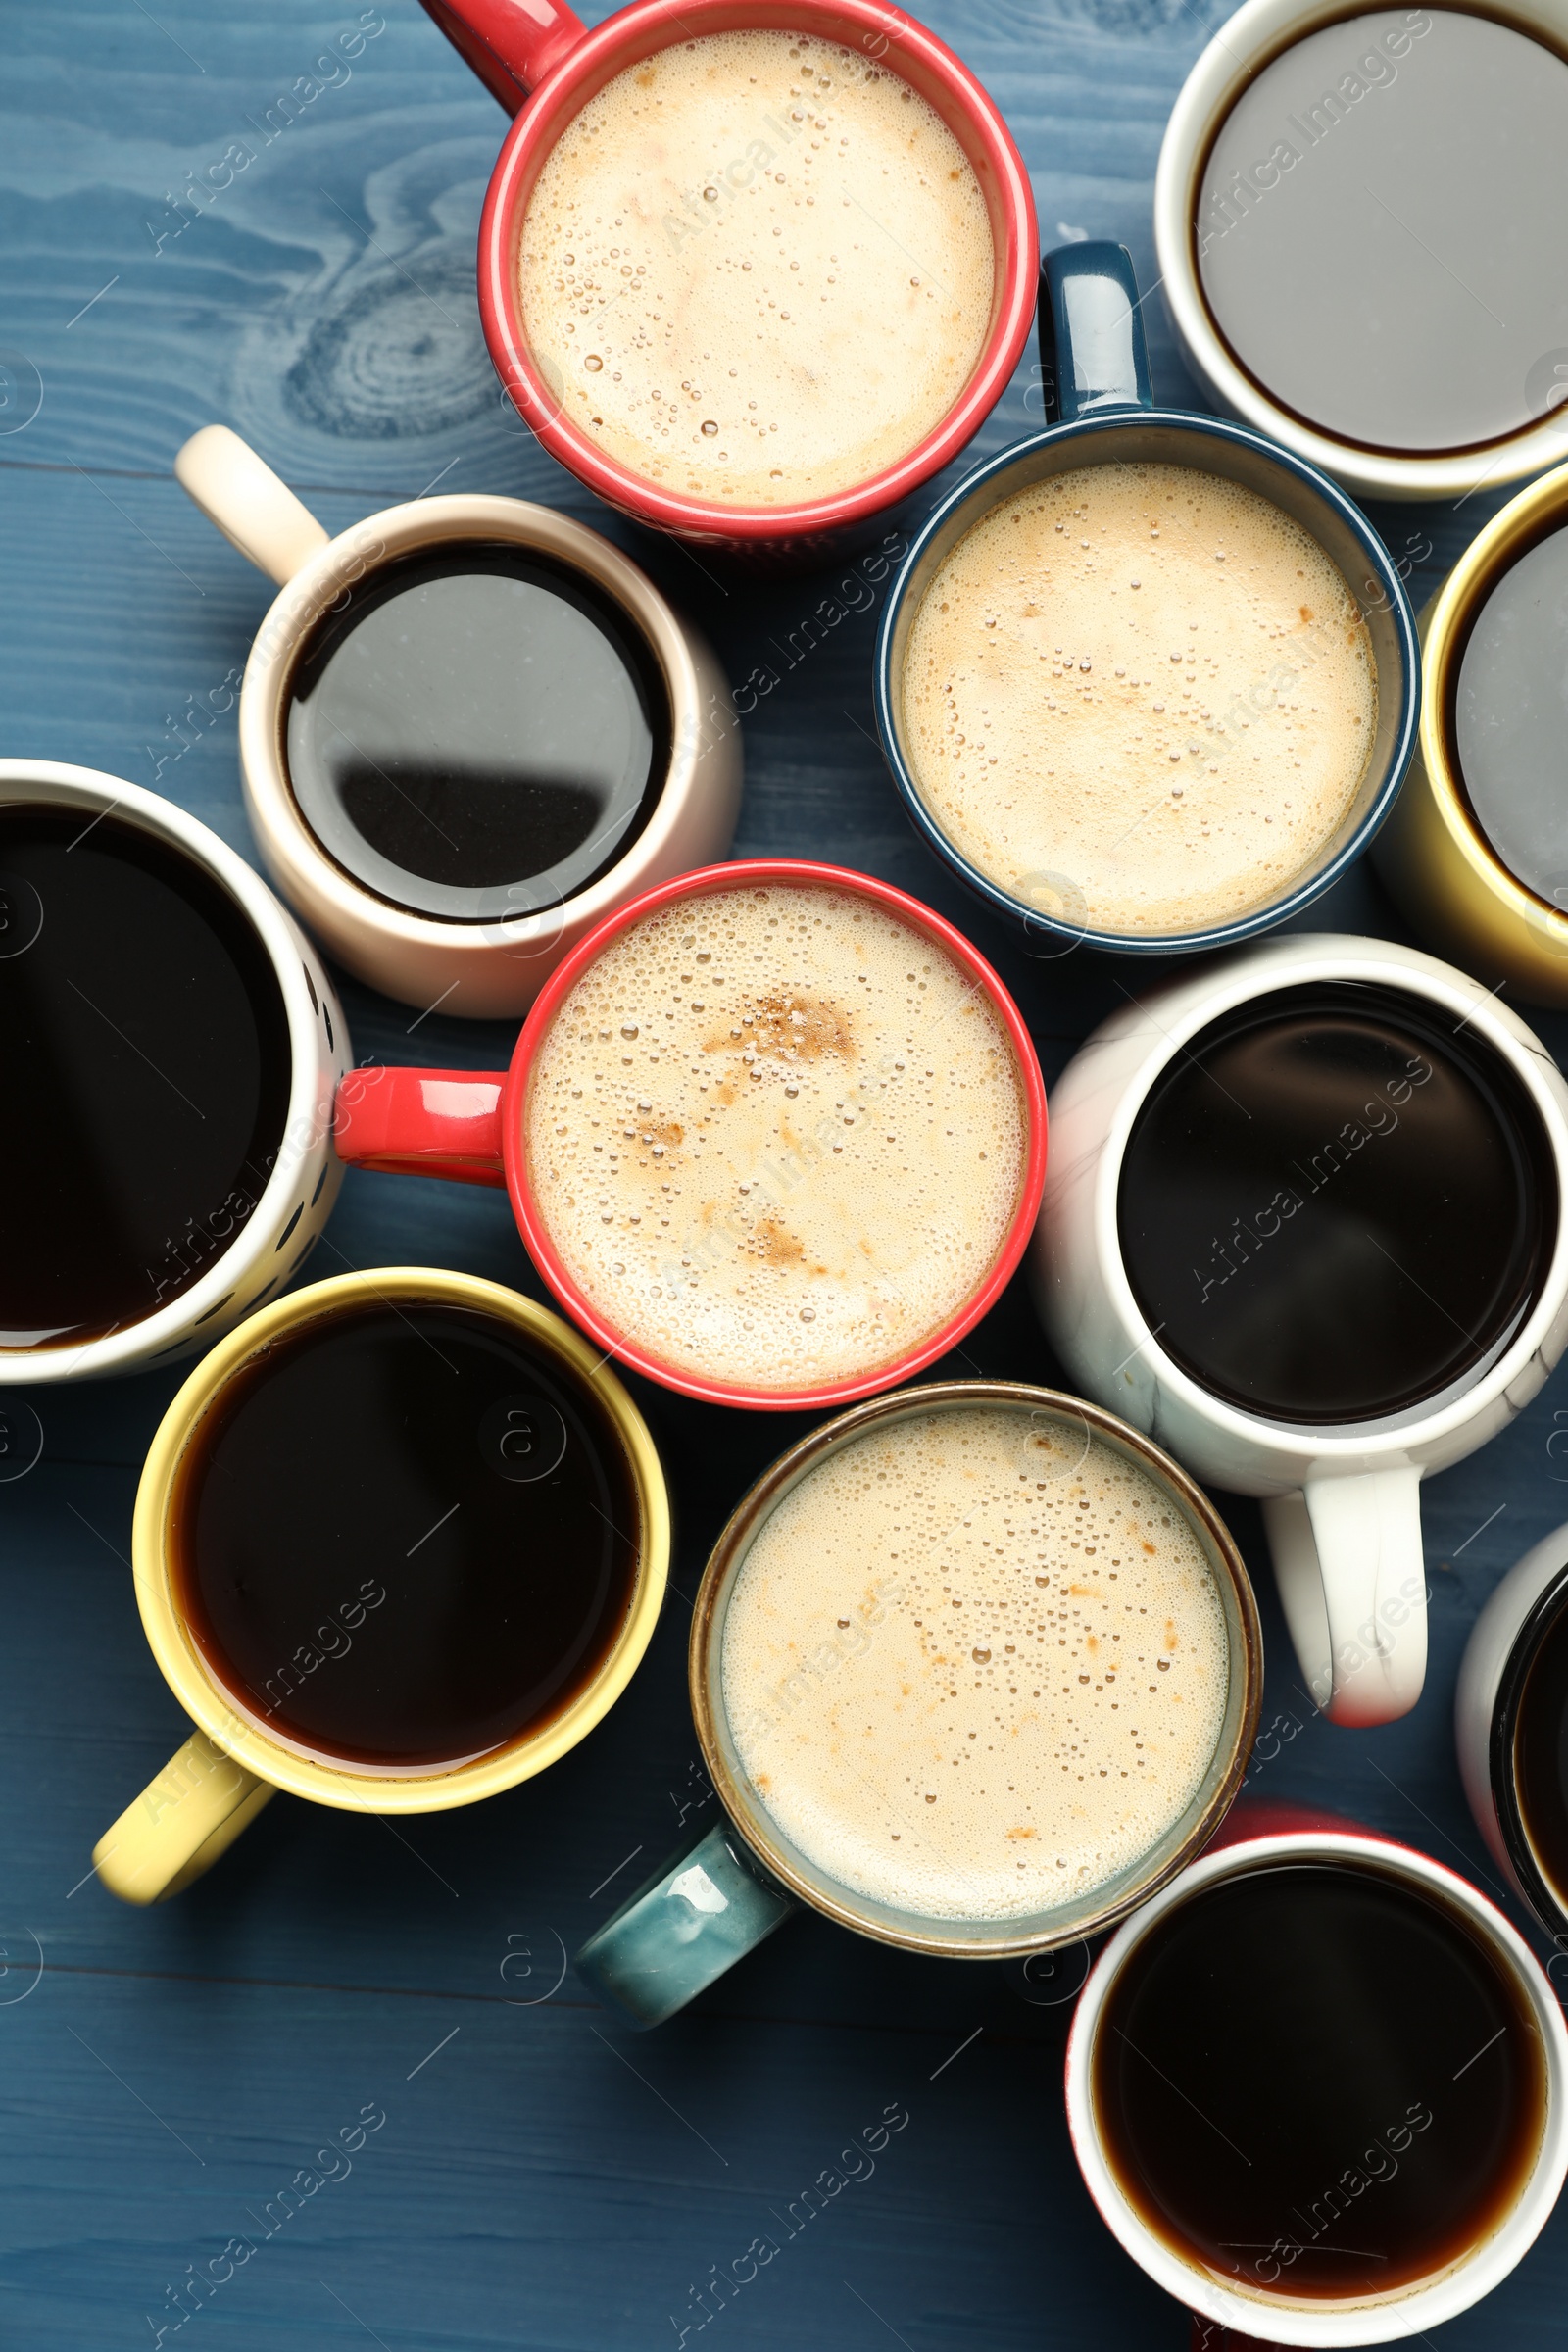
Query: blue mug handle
pixel 1092 352
pixel 702 1911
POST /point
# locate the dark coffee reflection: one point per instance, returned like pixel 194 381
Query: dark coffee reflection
pixel 145 1067
pixel 1317 2082
pixel 1535 1807
pixel 407 1536
pixel 476 733
pixel 1334 1207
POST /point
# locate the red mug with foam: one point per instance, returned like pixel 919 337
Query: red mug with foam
pixel 475 1127
pixel 544 65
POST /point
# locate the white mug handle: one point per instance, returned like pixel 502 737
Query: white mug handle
pixel 1351 1576
pixel 250 505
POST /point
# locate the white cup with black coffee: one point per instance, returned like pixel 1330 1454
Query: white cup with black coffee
pixel 171 1047
pixel 1315 2088
pixel 1357 221
pixel 469 729
pixel 1302 1222
pixel 1510 1712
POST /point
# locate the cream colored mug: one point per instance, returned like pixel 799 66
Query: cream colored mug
pixel 482 968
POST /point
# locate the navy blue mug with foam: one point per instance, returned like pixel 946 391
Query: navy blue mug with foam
pixel 1098 392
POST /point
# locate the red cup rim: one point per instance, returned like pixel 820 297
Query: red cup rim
pixel 739 874
pixel 619 41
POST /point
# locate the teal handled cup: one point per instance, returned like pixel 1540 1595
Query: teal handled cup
pixel 975 1669
pixel 1147 682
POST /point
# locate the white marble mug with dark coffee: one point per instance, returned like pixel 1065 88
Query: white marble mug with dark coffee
pixel 1302 1223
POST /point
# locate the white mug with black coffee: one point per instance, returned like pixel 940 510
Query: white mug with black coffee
pixel 469 729
pixel 1315 2088
pixel 172 1048
pixel 1511 1718
pixel 1356 219
pixel 1302 1223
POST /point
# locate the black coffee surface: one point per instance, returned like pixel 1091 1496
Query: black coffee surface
pixel 1510 718
pixel 1540 1757
pixel 144 1056
pixel 1377 228
pixel 408 1538
pixel 1334 1209
pixel 476 733
pixel 1316 2081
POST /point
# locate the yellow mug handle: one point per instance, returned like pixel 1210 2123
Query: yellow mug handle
pixel 179 1825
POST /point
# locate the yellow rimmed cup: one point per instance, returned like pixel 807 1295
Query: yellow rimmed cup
pixel 233 1762
pixel 1432 852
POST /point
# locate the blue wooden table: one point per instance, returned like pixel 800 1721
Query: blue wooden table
pixel 540 2178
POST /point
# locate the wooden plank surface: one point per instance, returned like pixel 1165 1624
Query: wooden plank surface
pixel 541 2180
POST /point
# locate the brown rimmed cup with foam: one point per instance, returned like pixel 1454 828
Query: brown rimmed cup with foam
pixel 737 1881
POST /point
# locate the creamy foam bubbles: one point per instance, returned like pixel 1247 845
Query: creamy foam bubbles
pixel 776 1135
pixel 1139 697
pixel 975 1663
pixel 758 268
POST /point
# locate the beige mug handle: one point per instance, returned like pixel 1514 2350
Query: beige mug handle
pixel 179 1825
pixel 258 513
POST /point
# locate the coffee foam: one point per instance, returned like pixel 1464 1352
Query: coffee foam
pixel 975 1664
pixel 1139 697
pixel 757 269
pixel 776 1135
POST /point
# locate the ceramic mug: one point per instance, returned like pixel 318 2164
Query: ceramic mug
pixel 221 1257
pixel 1342 1505
pixel 544 65
pixel 730 1887
pixel 1520 1627
pixel 1098 385
pixel 481 968
pixel 1378 49
pixel 1432 852
pixel 472 1126
pixel 1260 1839
pixel 237 1759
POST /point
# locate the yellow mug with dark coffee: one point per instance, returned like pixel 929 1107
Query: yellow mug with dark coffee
pixel 400 1543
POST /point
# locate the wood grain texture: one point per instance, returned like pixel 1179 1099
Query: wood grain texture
pixel 541 2180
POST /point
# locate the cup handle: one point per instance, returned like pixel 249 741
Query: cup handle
pixel 1352 1581
pixel 510 44
pixel 1091 351
pixel 422 1123
pixel 179 1825
pixel 250 505
pixel 704 1910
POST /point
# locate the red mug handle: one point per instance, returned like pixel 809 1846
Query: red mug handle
pixel 422 1123
pixel 510 44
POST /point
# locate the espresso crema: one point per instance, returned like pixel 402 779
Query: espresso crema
pixel 757 269
pixel 1140 697
pixel 776 1135
pixel 975 1663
